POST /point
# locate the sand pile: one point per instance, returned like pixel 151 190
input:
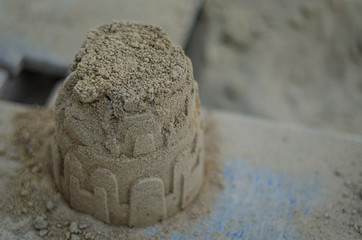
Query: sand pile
pixel 128 147
pixel 37 209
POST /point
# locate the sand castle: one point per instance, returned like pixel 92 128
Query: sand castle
pixel 128 147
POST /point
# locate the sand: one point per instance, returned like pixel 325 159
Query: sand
pixel 124 142
pixel 34 194
pixel 128 147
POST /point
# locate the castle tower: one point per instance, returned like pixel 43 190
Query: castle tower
pixel 128 147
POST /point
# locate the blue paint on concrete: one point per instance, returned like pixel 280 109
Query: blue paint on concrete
pixel 257 203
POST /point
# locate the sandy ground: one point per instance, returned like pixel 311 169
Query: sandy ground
pixel 287 60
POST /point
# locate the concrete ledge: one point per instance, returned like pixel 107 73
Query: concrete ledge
pixel 4 75
pixel 50 33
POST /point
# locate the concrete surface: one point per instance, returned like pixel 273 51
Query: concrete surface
pixel 3 77
pixel 282 182
pixel 50 32
pixel 288 60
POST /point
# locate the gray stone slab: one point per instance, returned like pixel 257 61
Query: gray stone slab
pixel 51 31
pixel 4 75
pixel 53 95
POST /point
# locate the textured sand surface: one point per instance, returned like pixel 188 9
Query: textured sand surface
pixel 128 147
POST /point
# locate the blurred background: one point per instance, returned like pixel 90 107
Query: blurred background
pixel 297 61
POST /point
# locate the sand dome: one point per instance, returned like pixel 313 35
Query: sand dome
pixel 128 147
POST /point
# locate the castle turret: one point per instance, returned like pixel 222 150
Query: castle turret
pixel 128 147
